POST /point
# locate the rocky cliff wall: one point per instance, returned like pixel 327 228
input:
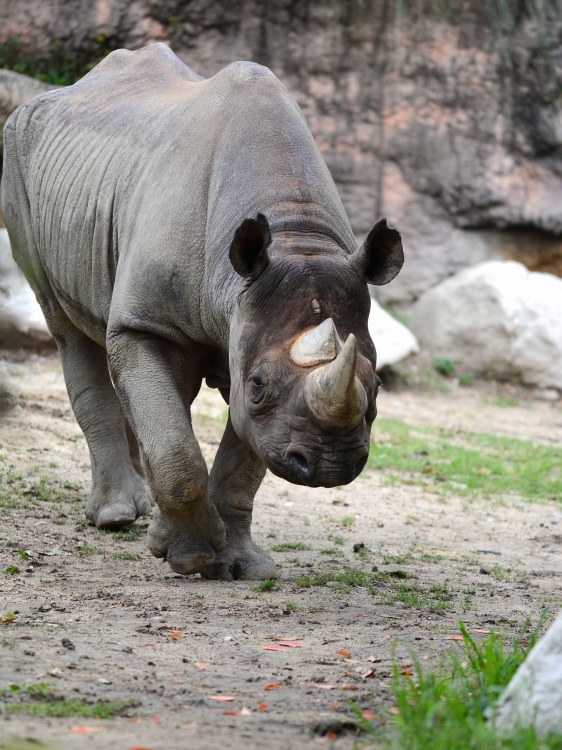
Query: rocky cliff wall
pixel 426 122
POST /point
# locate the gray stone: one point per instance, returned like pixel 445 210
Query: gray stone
pixel 534 695
pixel 495 319
pixel 393 341
pixel 21 320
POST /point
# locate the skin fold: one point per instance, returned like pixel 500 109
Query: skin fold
pixel 176 229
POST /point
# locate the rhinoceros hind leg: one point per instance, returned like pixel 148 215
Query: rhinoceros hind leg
pixel 111 507
pixel 235 478
pixel 119 494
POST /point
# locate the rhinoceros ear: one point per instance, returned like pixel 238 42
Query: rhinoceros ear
pixel 381 256
pixel 248 252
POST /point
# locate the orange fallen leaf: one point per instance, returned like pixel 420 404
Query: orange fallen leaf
pixel 368 715
pixel 343 652
pixel 139 748
pixel 149 645
pixel 290 644
pixel 221 698
pixel 86 730
pixel 349 687
pixel 333 736
pixel 175 635
pixel 334 705
pixel 454 638
pixel 262 707
pixel 273 686
pixel 200 665
pixel 177 682
pixel 245 711
pixel 482 632
pixel 274 647
pixel 230 713
pixel 393 710
pixel 155 720
pixel 406 670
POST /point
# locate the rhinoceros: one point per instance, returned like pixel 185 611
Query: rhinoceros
pixel 175 229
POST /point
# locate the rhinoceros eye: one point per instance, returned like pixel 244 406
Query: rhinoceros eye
pixel 258 386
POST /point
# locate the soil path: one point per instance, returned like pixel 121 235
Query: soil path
pixel 166 645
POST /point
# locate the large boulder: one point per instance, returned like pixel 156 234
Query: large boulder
pixel 21 320
pixel 534 695
pixel 495 319
pixel 394 342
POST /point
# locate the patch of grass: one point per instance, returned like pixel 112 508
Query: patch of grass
pixel 271 535
pixel 92 550
pixel 269 585
pixel 332 551
pixel 346 522
pixel 426 557
pixel 438 597
pixel 507 401
pixel 466 380
pixel 467 463
pixel 287 546
pixel 346 576
pixel 125 556
pixel 39 701
pixel 132 534
pixel 290 606
pixel 405 559
pixel 443 366
pixel 337 540
pixel 450 708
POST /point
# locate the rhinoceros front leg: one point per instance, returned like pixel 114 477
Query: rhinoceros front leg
pixel 156 382
pixel 235 478
pixel 119 493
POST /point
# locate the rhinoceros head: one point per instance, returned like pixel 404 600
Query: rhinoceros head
pixel 302 363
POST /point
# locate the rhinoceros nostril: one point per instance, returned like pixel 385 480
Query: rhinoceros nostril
pixel 299 464
pixel 359 466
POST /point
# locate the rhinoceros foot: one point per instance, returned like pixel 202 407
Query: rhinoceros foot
pixel 113 507
pixel 188 543
pixel 242 562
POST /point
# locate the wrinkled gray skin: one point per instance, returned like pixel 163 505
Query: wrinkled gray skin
pixel 15 89
pixel 132 202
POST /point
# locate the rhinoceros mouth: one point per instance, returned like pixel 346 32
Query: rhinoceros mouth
pixel 336 467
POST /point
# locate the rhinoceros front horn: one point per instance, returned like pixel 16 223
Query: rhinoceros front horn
pixel 333 393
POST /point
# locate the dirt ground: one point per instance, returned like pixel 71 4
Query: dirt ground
pixel 169 645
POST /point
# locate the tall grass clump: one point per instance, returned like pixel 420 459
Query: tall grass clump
pixel 451 709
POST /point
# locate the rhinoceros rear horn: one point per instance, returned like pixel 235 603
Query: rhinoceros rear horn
pixel 333 393
pixel 381 256
pixel 248 251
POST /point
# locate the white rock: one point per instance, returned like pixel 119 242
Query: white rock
pixel 534 695
pixel 393 341
pixel 21 320
pixel 497 319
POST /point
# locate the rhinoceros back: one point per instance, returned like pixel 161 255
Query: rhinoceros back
pixel 144 166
